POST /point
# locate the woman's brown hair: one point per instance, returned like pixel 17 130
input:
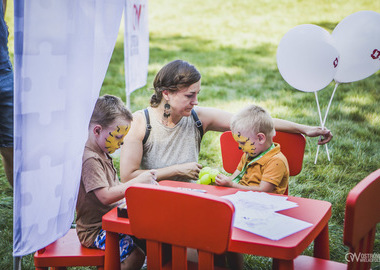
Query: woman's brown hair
pixel 174 76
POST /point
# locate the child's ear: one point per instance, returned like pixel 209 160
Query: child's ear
pixel 97 129
pixel 262 138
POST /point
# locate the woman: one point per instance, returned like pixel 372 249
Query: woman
pixel 167 135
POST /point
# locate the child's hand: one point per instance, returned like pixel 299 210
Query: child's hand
pixel 222 180
pixel 148 177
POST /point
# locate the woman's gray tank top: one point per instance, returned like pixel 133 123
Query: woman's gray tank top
pixel 167 146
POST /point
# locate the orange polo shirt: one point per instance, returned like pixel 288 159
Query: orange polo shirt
pixel 272 167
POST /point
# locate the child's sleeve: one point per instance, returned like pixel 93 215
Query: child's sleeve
pixel 93 175
pixel 274 171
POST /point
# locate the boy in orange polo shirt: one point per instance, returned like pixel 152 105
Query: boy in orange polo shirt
pixel 262 167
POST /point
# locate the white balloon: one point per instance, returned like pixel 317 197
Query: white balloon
pixel 357 38
pixel 307 58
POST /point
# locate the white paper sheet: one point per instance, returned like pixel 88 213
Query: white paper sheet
pixel 255 212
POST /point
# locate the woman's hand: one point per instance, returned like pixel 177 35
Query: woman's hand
pixel 310 131
pixel 318 131
pixel 189 170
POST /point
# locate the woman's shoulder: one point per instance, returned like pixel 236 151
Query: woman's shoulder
pixel 138 125
pixel 138 115
pixel 213 118
pixel 203 112
pixel 209 111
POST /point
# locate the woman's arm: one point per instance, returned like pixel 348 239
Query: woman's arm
pixel 132 149
pixel 310 131
pixel 219 120
pixel 132 152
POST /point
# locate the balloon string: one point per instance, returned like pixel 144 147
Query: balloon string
pixel 316 155
pixel 320 119
pixel 319 109
pixel 324 120
pixel 328 107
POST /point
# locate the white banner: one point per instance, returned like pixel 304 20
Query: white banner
pixel 136 44
pixel 62 51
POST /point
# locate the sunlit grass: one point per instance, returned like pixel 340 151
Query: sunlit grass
pixel 233 44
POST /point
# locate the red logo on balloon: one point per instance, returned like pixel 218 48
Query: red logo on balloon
pixel 335 63
pixel 375 54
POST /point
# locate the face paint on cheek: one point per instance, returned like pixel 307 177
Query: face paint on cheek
pixel 245 144
pixel 249 148
pixel 115 139
pixel 236 136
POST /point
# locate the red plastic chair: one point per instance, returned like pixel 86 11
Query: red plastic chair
pixel 167 215
pixel 362 216
pixel 292 146
pixel 68 251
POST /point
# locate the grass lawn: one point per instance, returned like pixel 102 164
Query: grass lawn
pixel 233 44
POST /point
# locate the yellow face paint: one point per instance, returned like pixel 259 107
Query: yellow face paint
pixel 245 144
pixel 115 138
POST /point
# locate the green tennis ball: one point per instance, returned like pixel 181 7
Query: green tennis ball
pixel 204 171
pixel 204 180
pixel 213 173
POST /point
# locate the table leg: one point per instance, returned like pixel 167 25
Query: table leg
pixel 278 264
pixel 112 253
pixel 321 244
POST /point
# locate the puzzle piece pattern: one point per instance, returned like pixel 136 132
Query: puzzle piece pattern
pixel 55 70
pixel 40 202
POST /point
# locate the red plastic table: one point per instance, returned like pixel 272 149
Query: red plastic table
pixel 282 251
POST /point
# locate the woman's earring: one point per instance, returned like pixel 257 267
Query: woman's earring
pixel 166 110
pixel 166 113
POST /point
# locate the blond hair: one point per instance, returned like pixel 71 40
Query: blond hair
pixel 251 120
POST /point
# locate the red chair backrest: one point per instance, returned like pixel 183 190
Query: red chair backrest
pixel 361 217
pixel 179 218
pixel 292 146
